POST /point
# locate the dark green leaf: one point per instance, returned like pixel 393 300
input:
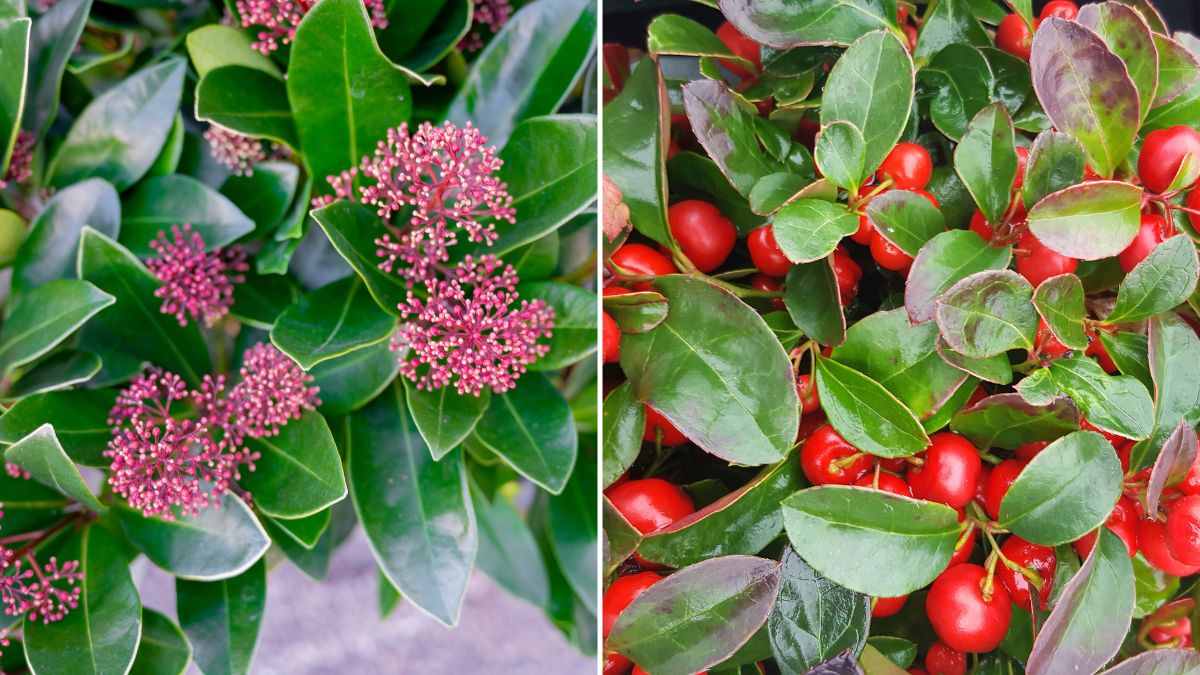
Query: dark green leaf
pixel 961 83
pixel 1059 301
pixel 620 538
pixel 352 229
pixel 51 41
pixel 348 382
pixel 265 195
pixel 866 413
pixel 820 22
pixel 946 259
pixel 1163 279
pixel 624 423
pixel 163 649
pixel 949 23
pixel 43 457
pixel 57 371
pixel 222 619
pixel 443 416
pixel 814 619
pixel 634 150
pixel 254 103
pixel 637 312
pixel 48 252
pixel 532 429
pixel 1118 404
pixel 298 472
pixel 1174 358
pixel 808 230
pixel 987 314
pixel 899 651
pixel 986 161
pixel 508 552
pixel 725 126
pixel 674 34
pixel 572 530
pixel 79 418
pixel 261 298
pixel 906 219
pixel 43 317
pixel 1008 421
pixel 1130 353
pixel 813 300
pixel 159 203
pixel 329 322
pixel 575 333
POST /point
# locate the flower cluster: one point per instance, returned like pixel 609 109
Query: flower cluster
pixel 40 592
pixel 195 283
pixel 233 150
pixel 279 19
pixel 20 167
pixel 467 328
pixel 489 15
pixel 160 463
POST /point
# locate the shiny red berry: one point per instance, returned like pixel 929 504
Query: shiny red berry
pixel 741 46
pixel 1193 202
pixel 865 231
pixel 847 273
pixel 1046 345
pixel 826 458
pixel 908 165
pixel 623 591
pixel 806 389
pixel 1022 164
pixel 943 660
pixel 1183 529
pixel 650 504
pixel 883 607
pixel 656 423
pixel 1122 521
pixel 1163 153
pixel 1040 559
pixel 949 473
pixel 981 227
pixel 616 664
pixel 765 252
pixel 705 235
pixel 1038 263
pixel 887 256
pixel 999 479
pixel 1063 9
pixel 642 260
pixel 1014 36
pixel 961 616
pixel 1153 231
pixel 1029 450
pixel 611 340
pixel 887 482
pixel 1097 349
pixel 1152 543
pixel 1190 485
pixel 762 282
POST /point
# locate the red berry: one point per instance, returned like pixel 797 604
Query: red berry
pixel 1153 231
pixel 1096 348
pixel 888 482
pixel 644 261
pixel 1022 163
pixel 1028 451
pixel 806 389
pixel 847 272
pixel 865 231
pixel 706 236
pixel 887 256
pixel 650 504
pixel 961 616
pixel 1152 542
pixel 965 546
pixel 1037 263
pixel 928 197
pixel 1040 559
pixel 1063 9
pixel 910 32
pixel 1162 154
pixel 882 607
pixel 942 660
pixel 616 664
pixel 822 453
pixel 1046 344
pixel 1014 36
pixel 623 591
pixel 950 471
pixel 1183 529
pixel 980 226
pixel 908 165
pixel 917 671
pixel 637 670
pixel 655 423
pixel 765 253
pixel 741 46
pixel 1190 485
pixel 763 282
pixel 998 481
pixel 611 340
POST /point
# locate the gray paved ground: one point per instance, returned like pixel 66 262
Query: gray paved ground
pixel 333 627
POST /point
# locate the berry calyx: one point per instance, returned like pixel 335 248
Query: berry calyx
pixel 650 504
pixel 1039 559
pixel 765 252
pixel 610 340
pixel 1038 263
pixel 944 660
pixel 963 617
pixel 950 471
pixel 656 424
pixel 1013 36
pixel 1163 153
pixel 828 459
pixel 908 165
pixel 1153 231
pixel 706 236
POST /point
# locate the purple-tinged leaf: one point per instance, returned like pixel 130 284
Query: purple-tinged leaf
pixel 1089 221
pixel 1158 662
pixel 1086 91
pixel 1092 616
pixel 1150 13
pixel 1059 301
pixel 813 22
pixel 725 127
pixel 1176 457
pixel 987 314
pixel 942 262
pixel 995 369
pixel 842 664
pixel 1056 162
pixel 1009 421
pixel 1126 33
pixel 1178 70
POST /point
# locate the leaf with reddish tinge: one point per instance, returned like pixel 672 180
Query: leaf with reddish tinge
pixel 1128 36
pixel 1089 221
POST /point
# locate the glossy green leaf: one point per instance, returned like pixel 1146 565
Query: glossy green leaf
pixel 348 382
pixel 1129 351
pixel 217 543
pixel 634 150
pixel 995 369
pixel 636 312
pixel 987 314
pixel 575 330
pixel 352 229
pixel 79 418
pixel 619 540
pixel 1119 404
pixel 946 259
pixel 552 41
pixel 160 203
pixel 946 24
pixel 298 472
pixel 906 219
pixel 960 80
pixel 624 422
pixel 820 22
pixel 698 616
pixel 532 429
pixel 329 322
pixel 1089 221
pixel 841 155
pixel 135 325
pixel 261 298
pixel 775 190
pixel 100 636
pixel 266 194
pixel 814 619
pixel 1178 70
pixel 251 102
pixel 1086 91
pixel 43 457
pixel 163 649
pixel 306 531
pixel 1127 35
pixel 871 541
pixel 60 370
pixel 1038 388
pixel 813 301
pixel 222 619
pixel 725 126
pixel 14 45
pixel 335 51
pixel 1008 421
pixel 573 531
pixel 1163 279
pixel 744 521
pixel 808 230
pixel 674 34
pixel 986 161
pixel 48 251
pixel 118 135
pixel 899 651
pixel 716 372
pixel 1056 161
pixel 416 512
pixel 51 41
pixel 508 553
pixel 866 413
pixel 1064 492
pixel 45 316
pixel 1059 302
pixel 214 46
pixel 1093 613
pixel 1174 359
pixel 444 417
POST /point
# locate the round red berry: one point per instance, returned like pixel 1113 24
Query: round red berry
pixel 656 423
pixel 1013 36
pixel 908 165
pixel 883 607
pixel 943 660
pixel 642 260
pixel 806 389
pixel 705 235
pixel 1163 153
pixel 1152 232
pixel 847 273
pixel 611 340
pixel 980 226
pixel 1038 263
pixel 866 230
pixel 998 481
pixel 887 482
pixel 961 616
pixel 741 46
pixel 1063 9
pixel 616 664
pixel 887 256
pixel 650 504
pixel 1152 543
pixel 623 591
pixel 825 458
pixel 949 473
pixel 765 253
pixel 1183 529
pixel 1040 559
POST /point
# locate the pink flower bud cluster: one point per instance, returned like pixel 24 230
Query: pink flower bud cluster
pixel 161 464
pixel 20 167
pixel 278 19
pixel 43 593
pixel 195 283
pixel 236 152
pixel 489 15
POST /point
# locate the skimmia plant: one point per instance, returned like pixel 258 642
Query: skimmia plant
pixel 247 315
pixel 900 318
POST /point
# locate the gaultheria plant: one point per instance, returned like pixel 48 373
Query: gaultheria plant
pixel 196 365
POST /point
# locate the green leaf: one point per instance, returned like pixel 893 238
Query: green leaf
pixel 698 616
pixel 866 413
pixel 1119 404
pixel 444 417
pixel 135 324
pixel 960 81
pixel 222 619
pixel 1092 616
pixel 995 369
pixel 841 155
pixel 352 229
pixel 1127 35
pixel 552 41
pixel 118 135
pixel 902 357
pixel 305 531
pixel 1158 662
pixel 679 35
pixel 157 204
pixel 416 512
pixel 1086 91
pixel 1059 301
pixel 634 150
pixel 45 316
pixel 48 251
pixel 1008 421
pixel 879 63
pixel 899 651
pixel 265 195
pixel 1174 358
pixel 335 51
pixel 253 103
pixel 776 190
pixel 871 541
pixel 57 371
pixel 100 636
pixel 715 370
pixel 51 41
pixel 947 24
pixel 813 301
pixel 1162 280
pixel 814 619
pixel 572 529
pixel 574 334
pixel 14 45
pixel 1089 221
pixel 508 553
pixel 986 160
pixel 532 429
pixel 219 542
pixel 348 382
pixel 946 259
pixel 79 418
pixel 808 230
pixel 987 314
pixel 1129 351
pixel 624 423
pixel 261 298
pixel 1056 162
pixel 620 538
pixel 1064 492
pixel 820 22
pixel 906 219
pixel 214 45
pixel 299 471
pixel 1152 587
pixel 329 322
pixel 744 521
pixel 725 126
pixel 43 457
pixel 637 312
pixel 1178 70
pixel 163 649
